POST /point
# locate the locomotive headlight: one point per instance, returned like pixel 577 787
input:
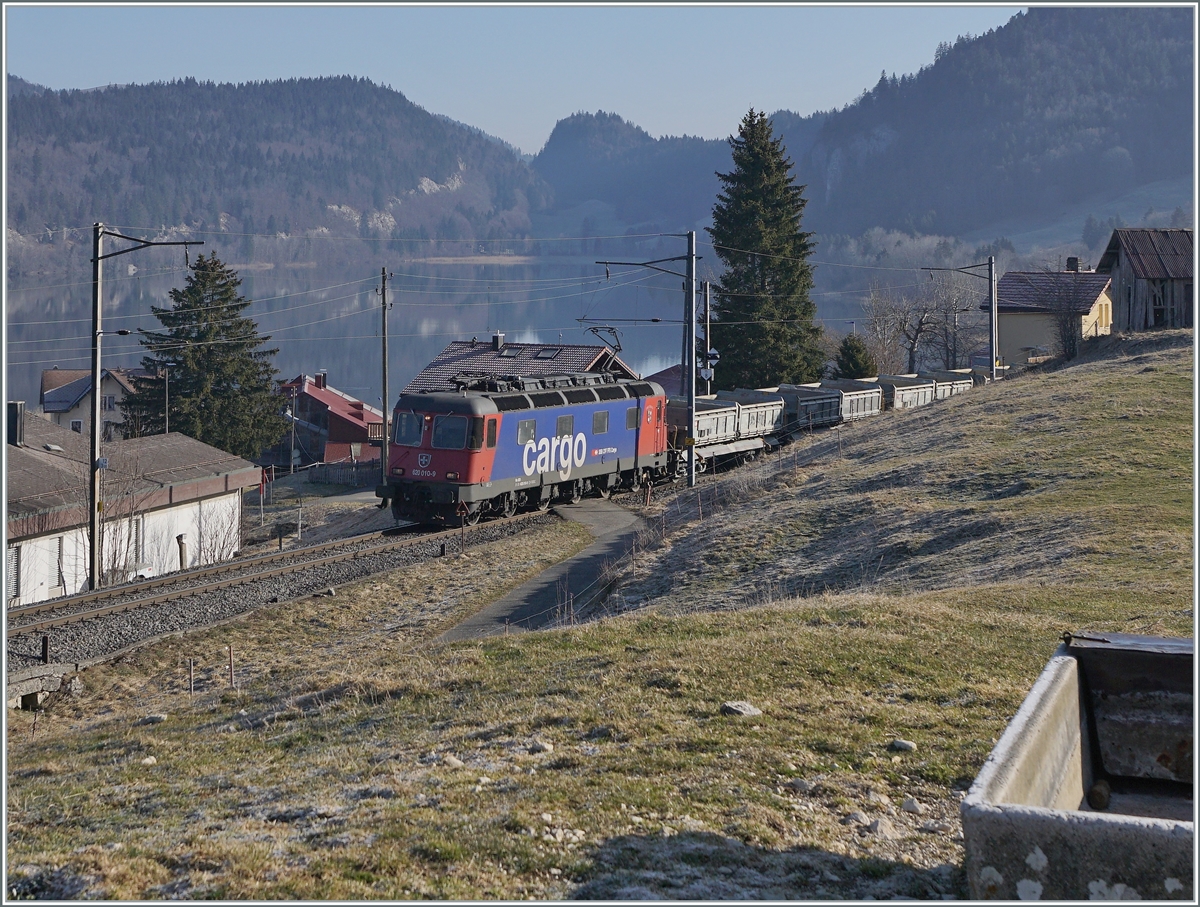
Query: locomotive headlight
pixel 397 470
pixel 452 475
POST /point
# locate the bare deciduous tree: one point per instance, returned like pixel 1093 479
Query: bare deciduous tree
pixel 897 325
pixel 1066 299
pixel 958 326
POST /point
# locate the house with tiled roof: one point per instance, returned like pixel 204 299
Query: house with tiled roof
pixel 169 502
pixel 331 426
pixel 1028 304
pixel 1152 278
pixel 65 397
pixel 496 357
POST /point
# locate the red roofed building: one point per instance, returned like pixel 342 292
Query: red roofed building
pixel 331 426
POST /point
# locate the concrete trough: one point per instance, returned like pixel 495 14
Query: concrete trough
pixel 1088 794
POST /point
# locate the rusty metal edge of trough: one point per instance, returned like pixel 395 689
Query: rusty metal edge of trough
pixel 387 545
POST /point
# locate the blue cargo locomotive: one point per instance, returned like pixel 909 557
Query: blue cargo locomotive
pixel 499 445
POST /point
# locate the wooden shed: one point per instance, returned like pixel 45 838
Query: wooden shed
pixel 1152 277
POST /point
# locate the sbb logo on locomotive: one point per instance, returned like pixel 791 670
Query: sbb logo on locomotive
pixel 551 454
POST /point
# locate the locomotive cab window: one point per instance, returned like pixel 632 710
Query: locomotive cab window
pixel 564 427
pixel 600 422
pixel 526 431
pixel 476 440
pixel 631 418
pixel 491 432
pixel 450 432
pixel 407 430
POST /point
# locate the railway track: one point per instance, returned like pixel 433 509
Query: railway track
pixel 118 617
pixel 146 593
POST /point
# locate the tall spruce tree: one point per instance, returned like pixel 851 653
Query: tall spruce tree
pixel 208 365
pixel 764 317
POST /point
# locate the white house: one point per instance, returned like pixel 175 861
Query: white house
pixel 169 502
pixel 66 397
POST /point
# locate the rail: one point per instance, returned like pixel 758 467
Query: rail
pixel 295 560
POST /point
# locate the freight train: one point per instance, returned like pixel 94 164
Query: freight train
pixel 497 445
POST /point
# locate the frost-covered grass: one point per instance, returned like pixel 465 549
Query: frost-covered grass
pixel 354 759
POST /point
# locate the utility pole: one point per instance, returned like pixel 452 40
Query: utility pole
pixel 995 314
pixel 689 363
pixel 687 375
pixel 95 504
pixel 990 264
pixel 707 335
pixel 292 453
pixel 383 441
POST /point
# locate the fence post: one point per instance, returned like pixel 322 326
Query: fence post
pixel 231 667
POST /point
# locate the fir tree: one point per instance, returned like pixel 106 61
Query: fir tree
pixel 210 369
pixel 854 360
pixel 764 327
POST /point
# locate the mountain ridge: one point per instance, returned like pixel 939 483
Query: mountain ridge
pixel 1014 126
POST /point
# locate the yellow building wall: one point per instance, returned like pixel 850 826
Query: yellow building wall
pixel 1019 331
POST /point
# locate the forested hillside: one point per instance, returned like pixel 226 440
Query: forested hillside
pixel 338 154
pixel 1057 106
pixel 654 184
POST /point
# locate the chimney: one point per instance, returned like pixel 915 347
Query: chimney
pixel 1072 263
pixel 498 341
pixel 16 423
pixel 322 377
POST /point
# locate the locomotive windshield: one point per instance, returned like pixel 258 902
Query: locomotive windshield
pixel 408 429
pixel 450 432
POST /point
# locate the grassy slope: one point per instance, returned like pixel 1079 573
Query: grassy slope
pixel 912 588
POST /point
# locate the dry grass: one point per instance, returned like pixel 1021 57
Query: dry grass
pixel 324 775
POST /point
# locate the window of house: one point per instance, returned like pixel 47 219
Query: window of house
pixel 510 352
pixel 13 574
pixel 600 422
pixel 526 431
pixel 108 401
pixel 564 427
pixel 77 425
pixel 548 352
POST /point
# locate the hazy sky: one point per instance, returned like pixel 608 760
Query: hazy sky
pixel 512 71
